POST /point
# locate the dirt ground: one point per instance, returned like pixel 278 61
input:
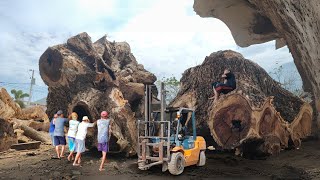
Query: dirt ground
pixel 302 163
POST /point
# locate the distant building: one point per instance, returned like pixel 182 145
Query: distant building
pixel 40 102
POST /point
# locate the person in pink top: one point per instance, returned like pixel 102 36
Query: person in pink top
pixel 104 133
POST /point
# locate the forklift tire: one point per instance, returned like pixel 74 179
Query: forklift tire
pixel 202 159
pixel 176 164
pixel 141 165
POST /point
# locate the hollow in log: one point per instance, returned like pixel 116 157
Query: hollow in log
pixel 87 78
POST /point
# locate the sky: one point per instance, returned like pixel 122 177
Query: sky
pixel 166 36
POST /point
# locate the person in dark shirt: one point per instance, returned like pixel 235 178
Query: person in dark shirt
pixel 227 86
pixel 59 135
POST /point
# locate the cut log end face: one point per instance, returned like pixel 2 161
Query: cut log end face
pixel 262 129
pixel 50 64
pixel 267 123
pixel 225 126
pixel 230 121
pixel 304 126
pixel 273 133
pixel 301 129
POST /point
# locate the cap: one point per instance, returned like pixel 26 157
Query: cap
pixel 104 113
pixel 59 112
pixel 85 118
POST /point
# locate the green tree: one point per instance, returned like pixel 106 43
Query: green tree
pixel 18 97
pixel 172 87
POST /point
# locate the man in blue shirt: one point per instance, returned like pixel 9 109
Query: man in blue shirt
pixel 59 136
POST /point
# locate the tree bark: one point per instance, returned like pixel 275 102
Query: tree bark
pixel 270 116
pixel 7 135
pixel 87 78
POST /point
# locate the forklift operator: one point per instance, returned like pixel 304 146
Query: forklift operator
pixel 182 128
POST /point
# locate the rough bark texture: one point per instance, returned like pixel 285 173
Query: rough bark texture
pixel 7 135
pixel 268 113
pixel 88 78
pixel 36 113
pixel 289 22
pixel 8 108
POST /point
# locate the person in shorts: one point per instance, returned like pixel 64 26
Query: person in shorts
pixel 59 137
pixel 227 86
pixel 80 139
pixel 104 132
pixel 72 132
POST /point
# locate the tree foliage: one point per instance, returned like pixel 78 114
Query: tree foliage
pixel 18 97
pixel 288 80
pixel 172 86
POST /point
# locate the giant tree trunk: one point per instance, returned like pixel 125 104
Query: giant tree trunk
pixel 270 116
pixel 88 78
pixel 289 22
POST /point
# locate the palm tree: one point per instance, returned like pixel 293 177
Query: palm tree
pixel 18 96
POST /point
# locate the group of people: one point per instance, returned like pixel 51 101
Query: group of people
pixel 77 134
pixel 78 130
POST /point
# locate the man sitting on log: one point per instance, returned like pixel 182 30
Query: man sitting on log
pixel 227 86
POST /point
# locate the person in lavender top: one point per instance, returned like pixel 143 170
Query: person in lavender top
pixel 104 133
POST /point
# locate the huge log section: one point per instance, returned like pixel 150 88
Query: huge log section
pixel 271 118
pixel 88 78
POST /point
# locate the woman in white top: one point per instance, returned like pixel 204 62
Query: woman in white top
pixel 80 139
pixel 73 128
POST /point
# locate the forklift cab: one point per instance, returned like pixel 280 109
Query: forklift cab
pixel 184 128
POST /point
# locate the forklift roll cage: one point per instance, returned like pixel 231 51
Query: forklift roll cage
pixel 155 148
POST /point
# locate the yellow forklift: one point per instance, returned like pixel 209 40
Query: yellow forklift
pixel 168 137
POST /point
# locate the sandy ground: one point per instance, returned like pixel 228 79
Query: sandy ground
pixel 37 164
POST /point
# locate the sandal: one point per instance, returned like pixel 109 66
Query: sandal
pixel 79 165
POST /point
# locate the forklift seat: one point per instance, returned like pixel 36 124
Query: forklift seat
pixel 188 142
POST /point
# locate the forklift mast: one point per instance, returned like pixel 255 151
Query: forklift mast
pixel 167 140
pixel 147 139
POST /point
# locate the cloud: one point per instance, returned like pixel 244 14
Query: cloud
pixel 166 36
pixel 52 16
pixel 28 28
pixel 266 56
pixel 169 38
